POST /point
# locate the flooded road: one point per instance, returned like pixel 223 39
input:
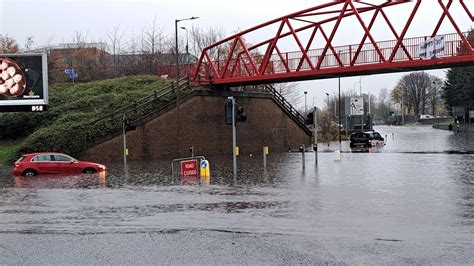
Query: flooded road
pixel 410 202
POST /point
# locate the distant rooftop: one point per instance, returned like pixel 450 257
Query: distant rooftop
pixel 64 46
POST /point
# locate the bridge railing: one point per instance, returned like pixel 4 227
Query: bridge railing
pixel 348 55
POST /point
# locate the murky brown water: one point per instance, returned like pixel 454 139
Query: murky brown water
pixel 412 189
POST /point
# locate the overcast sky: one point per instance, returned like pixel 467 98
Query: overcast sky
pixel 56 21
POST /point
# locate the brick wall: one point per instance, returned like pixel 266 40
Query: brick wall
pixel 200 122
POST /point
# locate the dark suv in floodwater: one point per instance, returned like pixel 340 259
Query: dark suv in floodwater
pixel 367 140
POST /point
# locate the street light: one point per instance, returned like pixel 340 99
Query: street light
pixel 187 47
pixel 177 79
pixel 327 94
pixel 305 108
pixel 360 86
pixel 177 47
pixel 314 102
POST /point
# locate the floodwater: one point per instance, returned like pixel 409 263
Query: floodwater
pixel 410 202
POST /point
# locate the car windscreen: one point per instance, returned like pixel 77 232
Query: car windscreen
pixel 360 136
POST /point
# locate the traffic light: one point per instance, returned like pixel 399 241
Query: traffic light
pixel 128 125
pixel 228 112
pixel 239 113
pixel 240 117
pixel 310 119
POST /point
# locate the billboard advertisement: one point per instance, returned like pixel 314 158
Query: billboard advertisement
pixel 23 82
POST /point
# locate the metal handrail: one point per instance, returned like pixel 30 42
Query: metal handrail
pixel 287 105
pixel 144 100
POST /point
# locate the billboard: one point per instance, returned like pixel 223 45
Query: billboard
pixel 23 83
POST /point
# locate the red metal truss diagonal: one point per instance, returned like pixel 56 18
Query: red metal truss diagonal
pixel 359 49
pixel 338 22
pixel 305 54
pixel 229 57
pixel 270 48
pixel 367 32
pixel 440 22
pixel 467 10
pixel 336 55
pixel 407 53
pixel 216 73
pixel 283 60
pixel 252 62
pixel 405 30
pixel 463 37
pixel 308 46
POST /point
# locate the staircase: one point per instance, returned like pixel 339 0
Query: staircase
pixel 288 108
pixel 147 108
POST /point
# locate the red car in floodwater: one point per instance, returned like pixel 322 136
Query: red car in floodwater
pixel 49 163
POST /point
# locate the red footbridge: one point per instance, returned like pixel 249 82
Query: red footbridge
pixel 308 45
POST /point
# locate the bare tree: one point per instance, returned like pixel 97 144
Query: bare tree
pixel 204 38
pixel 290 92
pixel 383 104
pixel 434 94
pixel 8 45
pixel 415 87
pixel 115 41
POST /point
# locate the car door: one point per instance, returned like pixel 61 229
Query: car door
pixel 43 164
pixel 66 164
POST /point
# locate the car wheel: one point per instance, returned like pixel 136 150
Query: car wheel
pixel 89 171
pixel 29 173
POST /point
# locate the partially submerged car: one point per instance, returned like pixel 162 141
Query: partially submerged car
pixel 366 140
pixel 49 163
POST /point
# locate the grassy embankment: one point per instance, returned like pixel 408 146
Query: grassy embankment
pixel 66 127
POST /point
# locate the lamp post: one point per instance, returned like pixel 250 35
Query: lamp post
pixel 187 47
pixel 340 118
pixel 177 47
pixel 305 106
pixel 327 94
pixel 177 81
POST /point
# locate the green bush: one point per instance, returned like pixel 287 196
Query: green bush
pixel 66 126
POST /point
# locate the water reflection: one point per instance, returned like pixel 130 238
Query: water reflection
pixel 60 181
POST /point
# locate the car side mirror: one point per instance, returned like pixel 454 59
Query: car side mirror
pixel 72 161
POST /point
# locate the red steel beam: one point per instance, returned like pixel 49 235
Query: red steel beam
pixel 376 68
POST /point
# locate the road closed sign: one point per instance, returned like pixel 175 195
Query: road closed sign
pixel 189 171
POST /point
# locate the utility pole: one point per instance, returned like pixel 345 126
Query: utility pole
pixel 305 106
pixel 340 112
pixel 234 139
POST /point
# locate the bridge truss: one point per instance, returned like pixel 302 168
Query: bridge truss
pixel 313 32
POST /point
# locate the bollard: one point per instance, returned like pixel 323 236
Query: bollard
pixel 265 152
pixel 315 148
pixel 302 150
pixel 393 136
